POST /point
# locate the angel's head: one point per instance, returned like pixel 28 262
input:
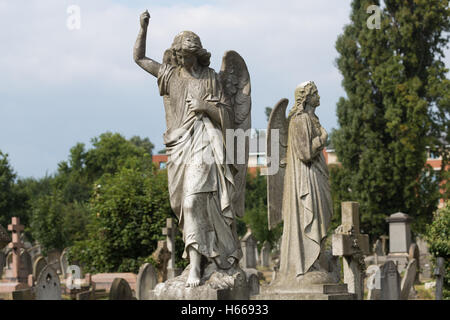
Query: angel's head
pixel 187 48
pixel 306 96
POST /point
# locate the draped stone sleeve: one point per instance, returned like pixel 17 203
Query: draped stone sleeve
pixel 306 146
pixel 164 75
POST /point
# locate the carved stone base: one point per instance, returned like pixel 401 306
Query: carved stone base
pixel 216 284
pixel 331 291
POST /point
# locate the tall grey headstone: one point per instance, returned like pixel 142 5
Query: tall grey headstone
pixel 399 239
pixel 248 244
pixel 265 254
pixel 147 280
pixel 48 286
pixel 390 282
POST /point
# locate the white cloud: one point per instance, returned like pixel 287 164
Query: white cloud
pixel 83 82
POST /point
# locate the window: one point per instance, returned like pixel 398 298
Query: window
pixel 162 165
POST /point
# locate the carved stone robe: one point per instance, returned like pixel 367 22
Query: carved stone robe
pixel 307 203
pixel 198 177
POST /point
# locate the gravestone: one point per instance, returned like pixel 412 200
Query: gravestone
pixel 425 259
pixel 39 264
pixel 120 290
pixel 265 254
pixel 399 239
pixel 408 280
pixel 53 260
pixel 415 254
pixel 48 286
pixel 147 279
pixel 439 273
pixel 170 231
pixel 390 282
pixel 253 284
pixel 14 281
pixel 248 245
pixel 26 264
pixel 64 262
pixel 349 243
pixel 384 244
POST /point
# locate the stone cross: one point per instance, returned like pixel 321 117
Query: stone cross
pixel 170 232
pixel 439 272
pixel 349 243
pixel 16 245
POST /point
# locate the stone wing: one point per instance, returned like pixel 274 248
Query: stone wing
pixel 275 182
pixel 235 81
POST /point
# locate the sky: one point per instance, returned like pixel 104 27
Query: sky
pixel 60 86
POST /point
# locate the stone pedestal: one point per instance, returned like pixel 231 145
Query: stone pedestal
pixel 215 285
pixel 399 239
pixel 330 291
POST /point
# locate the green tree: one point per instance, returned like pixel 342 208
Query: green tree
pixel 128 211
pixel 397 104
pixel 438 238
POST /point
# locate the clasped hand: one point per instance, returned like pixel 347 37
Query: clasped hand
pixel 197 105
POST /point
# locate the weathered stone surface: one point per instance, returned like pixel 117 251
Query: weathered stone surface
pixel 48 286
pixel 399 233
pixel 248 245
pixel 216 284
pixel 147 279
pixel 408 280
pixel 26 263
pixel 39 264
pixel 390 282
pixel 265 254
pixel 120 290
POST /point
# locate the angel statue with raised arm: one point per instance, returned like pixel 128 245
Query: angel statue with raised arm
pixel 206 191
pixel 299 194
